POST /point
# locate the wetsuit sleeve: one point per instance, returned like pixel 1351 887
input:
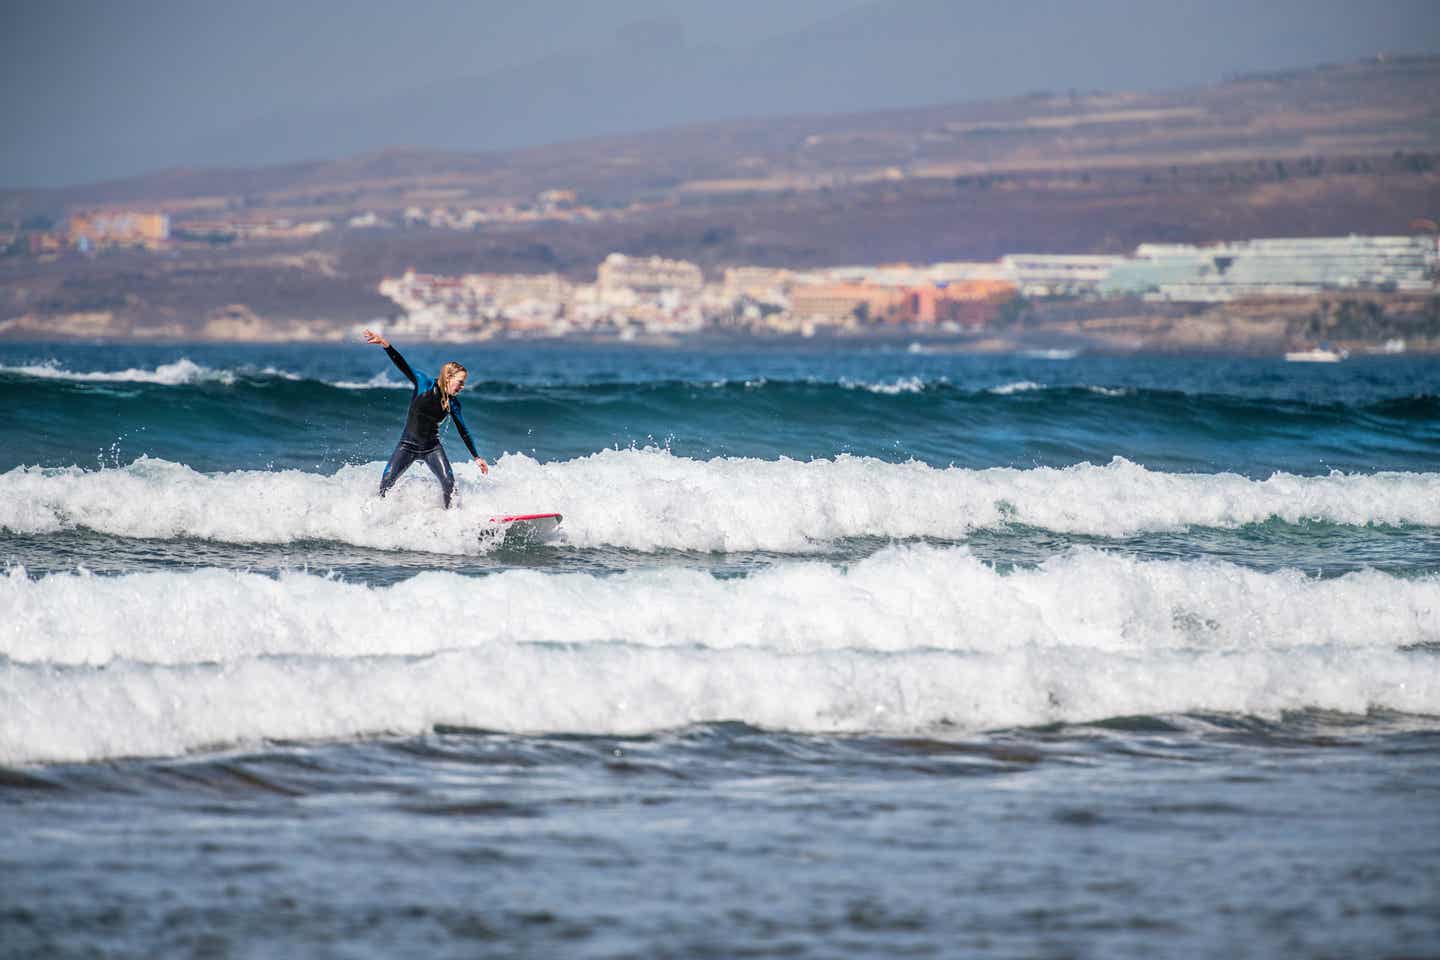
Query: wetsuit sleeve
pixel 404 367
pixel 460 426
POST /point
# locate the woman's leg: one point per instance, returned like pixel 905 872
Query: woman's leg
pixel 440 466
pixel 400 461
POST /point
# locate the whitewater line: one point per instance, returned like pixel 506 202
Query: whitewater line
pixel 650 499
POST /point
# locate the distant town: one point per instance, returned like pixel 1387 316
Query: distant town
pixel 635 296
pixel 654 298
pixel 1276 212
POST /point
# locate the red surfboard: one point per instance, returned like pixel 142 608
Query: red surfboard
pixel 528 527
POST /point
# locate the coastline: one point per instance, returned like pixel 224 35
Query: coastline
pixel 1361 323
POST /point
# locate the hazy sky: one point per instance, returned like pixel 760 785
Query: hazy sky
pixel 101 89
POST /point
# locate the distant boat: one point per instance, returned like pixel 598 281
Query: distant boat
pixel 1317 355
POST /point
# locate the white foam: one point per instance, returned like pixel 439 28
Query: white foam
pixel 1028 386
pixel 185 372
pixel 902 598
pixel 381 381
pixel 157 499
pixel 651 500
pixel 912 638
pixel 181 372
pixel 907 639
pixel 893 388
pixel 1021 386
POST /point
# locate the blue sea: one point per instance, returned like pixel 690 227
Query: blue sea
pixel 839 652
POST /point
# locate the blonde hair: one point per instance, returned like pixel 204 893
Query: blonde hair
pixel 446 372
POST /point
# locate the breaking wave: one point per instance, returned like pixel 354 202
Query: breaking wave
pixel 181 372
pixel 651 499
pixel 912 638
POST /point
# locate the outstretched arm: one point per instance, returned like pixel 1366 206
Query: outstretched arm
pixel 465 435
pixel 399 361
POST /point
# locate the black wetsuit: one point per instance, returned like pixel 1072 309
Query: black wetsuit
pixel 421 439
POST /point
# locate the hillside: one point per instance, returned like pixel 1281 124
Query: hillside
pixel 1351 148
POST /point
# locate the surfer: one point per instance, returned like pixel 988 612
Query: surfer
pixel 430 404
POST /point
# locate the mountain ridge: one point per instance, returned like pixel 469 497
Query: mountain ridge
pixel 1397 119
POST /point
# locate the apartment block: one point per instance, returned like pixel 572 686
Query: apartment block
pixel 1276 268
pixel 843 303
pixel 648 275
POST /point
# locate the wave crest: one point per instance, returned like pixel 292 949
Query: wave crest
pixel 179 373
pixel 650 499
pixel 910 639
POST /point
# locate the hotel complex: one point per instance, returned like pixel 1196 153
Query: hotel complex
pixel 653 295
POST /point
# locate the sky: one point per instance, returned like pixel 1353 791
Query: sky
pixel 94 90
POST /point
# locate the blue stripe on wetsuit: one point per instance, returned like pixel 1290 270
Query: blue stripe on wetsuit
pixel 422 425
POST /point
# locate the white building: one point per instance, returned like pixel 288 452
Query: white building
pixel 1276 267
pixel 649 276
pixel 761 284
pixel 1054 275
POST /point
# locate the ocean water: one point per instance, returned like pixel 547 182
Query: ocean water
pixel 868 652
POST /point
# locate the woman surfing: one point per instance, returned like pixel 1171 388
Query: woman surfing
pixel 430 403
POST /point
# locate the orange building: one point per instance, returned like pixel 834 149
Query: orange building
pixel 969 303
pixel 839 302
pixel 119 228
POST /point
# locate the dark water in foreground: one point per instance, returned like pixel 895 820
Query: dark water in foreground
pixel 1313 836
pixel 838 654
